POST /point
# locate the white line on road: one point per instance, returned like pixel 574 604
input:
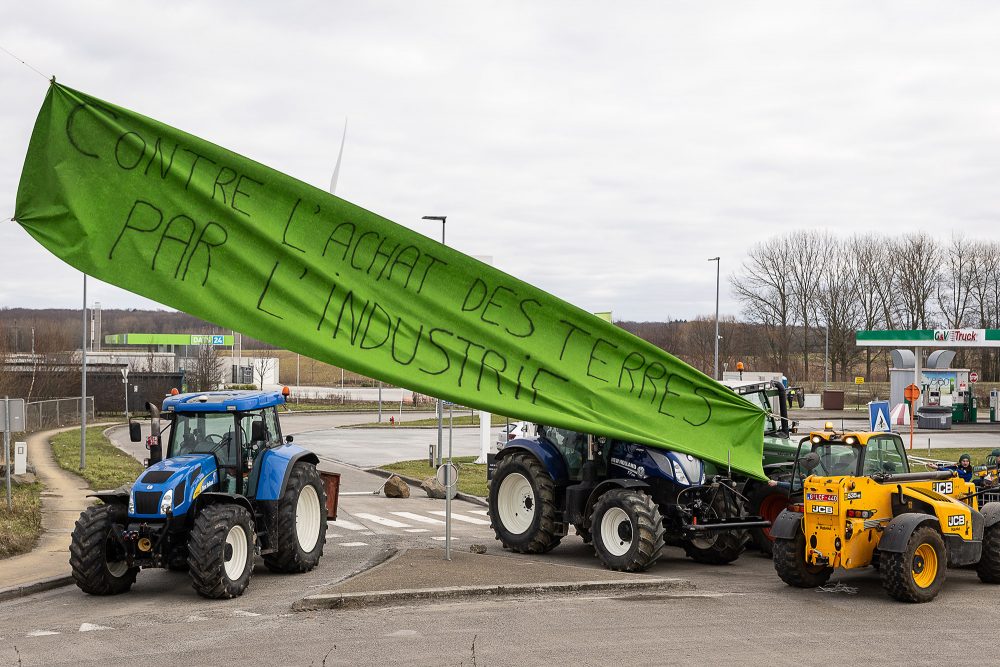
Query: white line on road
pixel 462 517
pixel 382 520
pixel 417 517
pixel 441 539
pixel 418 530
pixel 349 525
pixel 91 627
pixel 42 633
pixel 354 544
pixel 483 512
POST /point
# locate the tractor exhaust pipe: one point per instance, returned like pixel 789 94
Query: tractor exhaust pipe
pixel 154 445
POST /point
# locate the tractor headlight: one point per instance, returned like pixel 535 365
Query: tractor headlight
pixel 131 503
pixel 167 501
pixel 679 472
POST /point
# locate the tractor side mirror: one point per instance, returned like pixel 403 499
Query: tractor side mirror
pixel 135 431
pixel 257 431
pixel 289 438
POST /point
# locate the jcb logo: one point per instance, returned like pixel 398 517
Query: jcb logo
pixel 822 509
pixel 956 520
pixel 944 488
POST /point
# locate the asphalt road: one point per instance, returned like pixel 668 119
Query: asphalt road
pixel 740 613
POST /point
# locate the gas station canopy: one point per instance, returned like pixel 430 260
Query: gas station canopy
pixel 930 338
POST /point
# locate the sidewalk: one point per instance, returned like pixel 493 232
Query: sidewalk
pixel 423 574
pixel 64 497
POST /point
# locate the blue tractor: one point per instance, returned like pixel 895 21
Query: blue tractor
pixel 630 500
pixel 229 489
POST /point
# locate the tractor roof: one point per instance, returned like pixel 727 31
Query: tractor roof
pixel 222 401
pixel 851 438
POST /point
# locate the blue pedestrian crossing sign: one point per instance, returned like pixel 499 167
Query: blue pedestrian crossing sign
pixel 878 416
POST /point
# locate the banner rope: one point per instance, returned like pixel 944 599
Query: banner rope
pixel 25 64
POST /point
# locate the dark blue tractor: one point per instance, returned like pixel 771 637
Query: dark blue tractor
pixel 229 489
pixel 630 500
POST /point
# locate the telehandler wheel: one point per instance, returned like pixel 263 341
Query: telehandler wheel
pixel 221 551
pixel 627 530
pixel 523 505
pixel 766 502
pixel 96 557
pixel 988 568
pixel 301 522
pixel 720 547
pixel 917 574
pixel 790 564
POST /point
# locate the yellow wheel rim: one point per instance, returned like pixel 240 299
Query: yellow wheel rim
pixel 925 565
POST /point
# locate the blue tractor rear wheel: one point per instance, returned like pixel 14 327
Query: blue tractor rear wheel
pixel 301 522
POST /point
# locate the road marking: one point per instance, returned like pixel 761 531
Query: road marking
pixel 483 512
pixel 441 539
pixel 382 520
pixel 244 614
pixel 42 633
pixel 349 525
pixel 90 627
pixel 417 517
pixel 418 530
pixel 354 544
pixel 462 517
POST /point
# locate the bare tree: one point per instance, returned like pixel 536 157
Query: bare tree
pixel 208 369
pixel 872 286
pixel 954 290
pixel 918 260
pixel 805 261
pixel 764 289
pixel 261 369
pixel 839 308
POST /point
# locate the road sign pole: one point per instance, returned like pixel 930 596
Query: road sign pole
pixel 447 488
pixel 6 448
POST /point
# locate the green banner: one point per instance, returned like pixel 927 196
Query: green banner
pixel 187 223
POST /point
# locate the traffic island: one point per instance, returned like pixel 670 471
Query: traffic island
pixel 418 575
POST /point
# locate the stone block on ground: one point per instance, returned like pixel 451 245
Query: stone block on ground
pixel 395 487
pixel 433 487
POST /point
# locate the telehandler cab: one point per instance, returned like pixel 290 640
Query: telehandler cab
pixel 855 502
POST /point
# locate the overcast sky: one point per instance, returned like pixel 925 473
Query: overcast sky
pixel 599 151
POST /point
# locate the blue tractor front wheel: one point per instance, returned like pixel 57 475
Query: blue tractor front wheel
pixel 221 551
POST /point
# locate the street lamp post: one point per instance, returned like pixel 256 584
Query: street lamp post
pixel 718 264
pixel 440 411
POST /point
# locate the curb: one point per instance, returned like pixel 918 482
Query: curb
pixel 34 587
pixel 385 598
pixel 475 500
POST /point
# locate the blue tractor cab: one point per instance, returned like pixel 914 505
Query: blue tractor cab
pixel 229 489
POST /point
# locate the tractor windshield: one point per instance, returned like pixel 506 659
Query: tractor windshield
pixel 832 459
pixel 205 433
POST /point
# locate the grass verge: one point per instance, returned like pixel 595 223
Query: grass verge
pixel 20 528
pixel 107 466
pixel 471 476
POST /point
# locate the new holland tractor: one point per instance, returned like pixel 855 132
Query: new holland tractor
pixel 857 503
pixel 228 490
pixel 630 500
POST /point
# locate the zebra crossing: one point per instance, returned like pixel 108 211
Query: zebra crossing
pixel 417 522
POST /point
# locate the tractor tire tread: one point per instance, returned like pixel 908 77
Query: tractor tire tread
pixel 289 557
pixel 895 569
pixel 649 528
pixel 791 566
pixel 206 542
pixel 87 552
pixel 988 567
pixel 546 537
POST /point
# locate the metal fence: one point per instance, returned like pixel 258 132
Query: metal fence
pixel 55 412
